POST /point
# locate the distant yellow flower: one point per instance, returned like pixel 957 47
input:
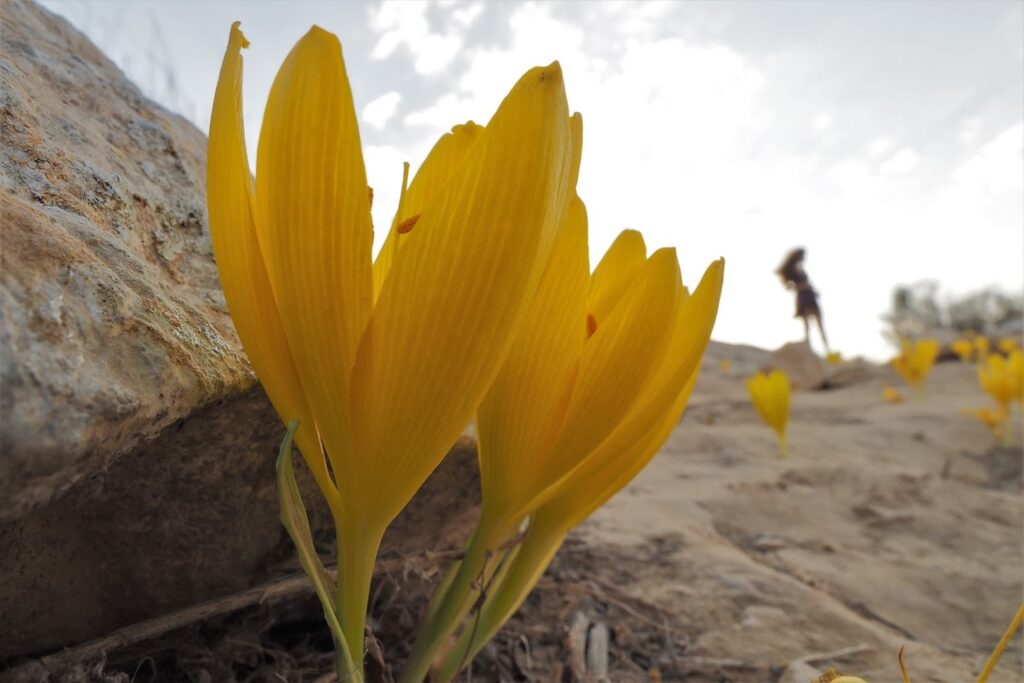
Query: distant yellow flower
pixel 770 396
pixel 834 357
pixel 963 348
pixel 915 360
pixel 1008 344
pixel 891 395
pixel 1003 378
pixel 982 347
pixel 382 363
pixel 993 418
pixel 832 676
pixel 1015 369
pixel 725 365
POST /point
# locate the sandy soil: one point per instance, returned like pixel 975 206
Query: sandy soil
pixel 889 525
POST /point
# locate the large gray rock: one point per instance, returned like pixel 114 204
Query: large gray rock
pixel 137 458
pixel 114 325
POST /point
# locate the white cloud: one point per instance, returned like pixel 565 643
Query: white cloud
pixel 467 15
pixel 384 174
pixel 903 161
pixel 404 22
pixel 880 146
pixel 997 167
pixel 378 112
pixel 970 130
pixel 822 122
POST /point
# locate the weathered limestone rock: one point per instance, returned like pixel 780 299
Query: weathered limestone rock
pixel 805 369
pixel 113 321
pixel 136 450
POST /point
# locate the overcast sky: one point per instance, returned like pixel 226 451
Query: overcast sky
pixel 885 137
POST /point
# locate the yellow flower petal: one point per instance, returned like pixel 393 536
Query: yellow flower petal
pixel 524 406
pixel 915 360
pixel 576 131
pixel 451 305
pixel 601 477
pixel 616 364
pixel 243 275
pixel 999 378
pixel 611 466
pixel 313 221
pixel 665 394
pixel 770 396
pixel 616 271
pixel 431 180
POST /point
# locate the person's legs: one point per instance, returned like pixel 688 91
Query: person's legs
pixel 821 328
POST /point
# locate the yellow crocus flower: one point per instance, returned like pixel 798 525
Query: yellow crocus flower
pixel 982 347
pixel 993 418
pixel 770 396
pixel 1008 345
pixel 891 395
pixel 963 348
pixel 915 360
pixel 832 676
pixel 1000 378
pixel 599 362
pixel 596 369
pixel 1015 369
pixel 555 445
pixel 834 358
pixel 384 368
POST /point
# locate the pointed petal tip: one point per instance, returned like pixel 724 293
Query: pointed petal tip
pixel 550 75
pixel 576 124
pixel 666 257
pixel 719 266
pixel 237 35
pixel 320 35
pixel 664 253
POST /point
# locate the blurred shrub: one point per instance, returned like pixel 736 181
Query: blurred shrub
pixel 920 309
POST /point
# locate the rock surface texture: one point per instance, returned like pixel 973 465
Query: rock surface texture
pixel 114 323
pixel 137 458
pixel 806 370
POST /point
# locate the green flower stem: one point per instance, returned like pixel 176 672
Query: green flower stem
pixel 296 522
pixel 504 596
pixel 440 592
pixel 449 608
pixel 357 555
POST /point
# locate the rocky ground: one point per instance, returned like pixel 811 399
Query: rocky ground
pixel 889 525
